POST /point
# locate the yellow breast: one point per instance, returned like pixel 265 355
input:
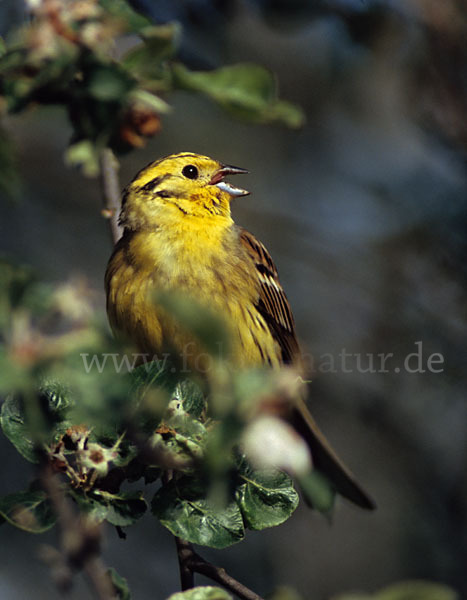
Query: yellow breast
pixel 204 263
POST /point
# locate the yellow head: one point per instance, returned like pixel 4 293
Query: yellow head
pixel 177 187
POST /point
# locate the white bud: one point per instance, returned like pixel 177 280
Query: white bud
pixel 270 442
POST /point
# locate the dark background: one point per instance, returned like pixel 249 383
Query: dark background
pixel 364 213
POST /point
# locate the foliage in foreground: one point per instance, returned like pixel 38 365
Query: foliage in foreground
pixel 73 410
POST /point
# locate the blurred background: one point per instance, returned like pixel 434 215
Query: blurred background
pixel 364 211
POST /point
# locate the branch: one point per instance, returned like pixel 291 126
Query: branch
pixel 79 541
pixel 190 562
pixel 185 552
pixel 110 191
pixel 199 565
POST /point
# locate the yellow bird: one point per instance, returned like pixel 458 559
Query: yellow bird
pixel 179 237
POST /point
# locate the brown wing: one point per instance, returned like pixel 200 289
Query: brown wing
pixel 272 302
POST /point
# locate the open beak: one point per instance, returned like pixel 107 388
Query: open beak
pixel 218 180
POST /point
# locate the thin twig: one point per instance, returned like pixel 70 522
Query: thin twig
pixel 79 538
pixel 184 549
pixel 185 553
pixel 110 191
pixel 199 565
pixel 191 562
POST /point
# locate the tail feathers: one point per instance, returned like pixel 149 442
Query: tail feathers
pixel 326 460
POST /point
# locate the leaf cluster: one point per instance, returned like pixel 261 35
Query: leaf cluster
pixel 69 55
pixel 97 462
pixel 122 440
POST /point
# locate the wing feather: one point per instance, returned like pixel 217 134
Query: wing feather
pixel 272 303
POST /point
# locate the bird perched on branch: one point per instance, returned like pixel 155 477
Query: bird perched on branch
pixel 179 236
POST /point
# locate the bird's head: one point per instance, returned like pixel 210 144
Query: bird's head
pixel 177 187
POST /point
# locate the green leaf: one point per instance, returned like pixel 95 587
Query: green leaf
pixel 248 91
pixel 207 592
pixel 180 434
pixel 120 585
pixel 186 434
pixel 58 397
pixel 12 59
pixel 183 508
pixel 47 414
pixel 30 511
pixel 160 43
pixel 152 373
pixel 151 385
pixel 12 419
pixel 192 399
pixel 285 593
pixel 127 452
pixel 27 79
pixel 417 590
pixel 55 400
pixel 150 100
pixel 120 9
pixel 182 447
pixel 83 154
pixel 317 491
pixel 407 590
pixel 266 498
pixel 17 282
pixel 285 112
pixel 109 83
pixel 121 509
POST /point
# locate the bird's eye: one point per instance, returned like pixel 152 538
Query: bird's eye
pixel 190 171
